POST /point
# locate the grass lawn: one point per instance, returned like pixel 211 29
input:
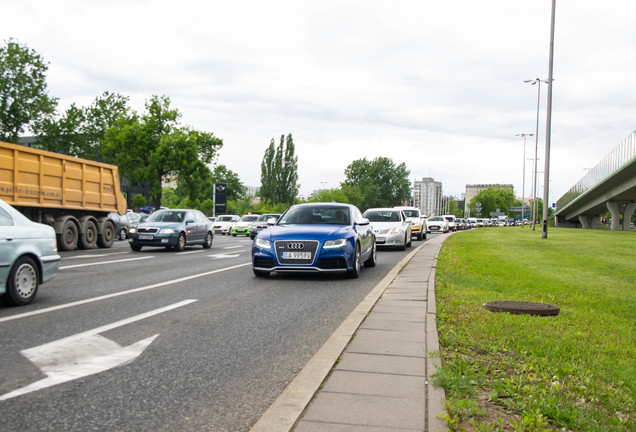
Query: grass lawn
pixel 505 372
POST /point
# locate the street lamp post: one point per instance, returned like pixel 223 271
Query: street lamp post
pixel 548 129
pixel 536 142
pixel 523 182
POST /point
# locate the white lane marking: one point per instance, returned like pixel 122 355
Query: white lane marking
pixel 105 262
pixel 190 252
pixel 84 354
pixel 117 294
pixel 221 256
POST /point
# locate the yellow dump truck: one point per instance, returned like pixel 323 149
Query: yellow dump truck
pixel 72 195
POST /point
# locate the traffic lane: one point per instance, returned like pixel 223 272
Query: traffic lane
pixel 121 270
pixel 217 364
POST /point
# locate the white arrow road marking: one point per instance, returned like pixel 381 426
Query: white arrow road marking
pixel 84 354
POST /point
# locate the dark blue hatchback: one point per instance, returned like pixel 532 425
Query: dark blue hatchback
pixel 316 237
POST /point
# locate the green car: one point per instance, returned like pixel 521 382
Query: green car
pixel 242 227
pixel 173 229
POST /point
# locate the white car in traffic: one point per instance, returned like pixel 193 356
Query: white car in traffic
pixel 436 224
pixel 224 223
pixel 390 226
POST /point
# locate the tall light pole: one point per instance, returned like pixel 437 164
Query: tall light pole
pixel 523 183
pixel 548 129
pixel 536 144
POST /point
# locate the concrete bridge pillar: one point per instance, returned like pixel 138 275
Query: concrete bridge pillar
pixel 627 215
pixel 618 209
pixel 589 222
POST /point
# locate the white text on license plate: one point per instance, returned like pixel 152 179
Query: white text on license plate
pixel 296 255
pixel 145 237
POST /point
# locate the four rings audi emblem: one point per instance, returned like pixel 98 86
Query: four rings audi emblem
pixel 295 246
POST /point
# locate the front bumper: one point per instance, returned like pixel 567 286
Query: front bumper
pixel 389 240
pixel 240 231
pixel 158 240
pixel 337 260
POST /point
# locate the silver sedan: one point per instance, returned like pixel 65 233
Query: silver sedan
pixel 28 256
pixel 390 226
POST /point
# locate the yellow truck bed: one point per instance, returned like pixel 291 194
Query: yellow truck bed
pixel 39 178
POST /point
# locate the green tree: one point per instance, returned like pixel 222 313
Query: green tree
pixel 453 208
pixel 150 147
pixel 330 195
pixel 268 189
pixel 139 201
pixel 377 183
pixel 80 131
pixel 207 207
pixel 279 172
pixel 492 199
pixel 23 90
pixel 169 197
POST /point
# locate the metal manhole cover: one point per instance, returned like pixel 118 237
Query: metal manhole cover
pixel 521 307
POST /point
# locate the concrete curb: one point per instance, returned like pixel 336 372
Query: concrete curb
pixel 282 415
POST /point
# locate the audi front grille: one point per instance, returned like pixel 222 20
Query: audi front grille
pixel 284 246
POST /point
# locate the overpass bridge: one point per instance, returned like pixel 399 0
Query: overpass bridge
pixel 610 185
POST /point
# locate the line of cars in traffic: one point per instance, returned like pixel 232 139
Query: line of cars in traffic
pixel 310 237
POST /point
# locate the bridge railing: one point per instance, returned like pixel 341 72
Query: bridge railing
pixel 616 159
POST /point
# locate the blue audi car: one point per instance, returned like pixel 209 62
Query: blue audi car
pixel 316 237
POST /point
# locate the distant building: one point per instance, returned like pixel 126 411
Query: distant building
pixel 427 196
pixel 251 191
pixel 473 190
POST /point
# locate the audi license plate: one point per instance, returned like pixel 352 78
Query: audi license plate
pixel 297 255
pixel 145 237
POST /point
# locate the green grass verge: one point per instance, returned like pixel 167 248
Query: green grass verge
pixel 575 371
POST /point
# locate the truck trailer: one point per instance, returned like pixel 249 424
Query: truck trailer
pixel 72 195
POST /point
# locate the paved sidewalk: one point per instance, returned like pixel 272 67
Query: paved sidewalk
pixel 387 349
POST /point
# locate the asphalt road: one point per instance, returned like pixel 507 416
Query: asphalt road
pixel 163 341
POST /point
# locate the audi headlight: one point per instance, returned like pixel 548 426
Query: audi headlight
pixel 167 231
pixel 332 244
pixel 262 243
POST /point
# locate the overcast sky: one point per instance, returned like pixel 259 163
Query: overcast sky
pixel 438 85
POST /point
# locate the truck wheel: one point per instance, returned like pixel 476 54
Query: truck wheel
pixel 23 282
pixel 107 236
pixel 88 239
pixel 68 239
